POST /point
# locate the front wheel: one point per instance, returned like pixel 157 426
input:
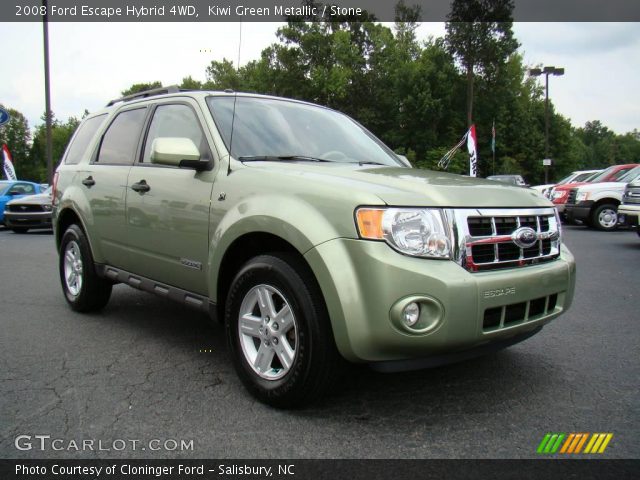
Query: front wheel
pixel 605 217
pixel 83 289
pixel 278 331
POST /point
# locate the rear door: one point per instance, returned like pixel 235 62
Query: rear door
pixel 168 222
pixel 104 181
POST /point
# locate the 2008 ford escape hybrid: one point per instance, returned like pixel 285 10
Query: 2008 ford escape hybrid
pixel 306 235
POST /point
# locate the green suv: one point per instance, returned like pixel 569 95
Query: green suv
pixel 308 237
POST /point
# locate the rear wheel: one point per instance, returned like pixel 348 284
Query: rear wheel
pixel 83 289
pixel 278 331
pixel 605 217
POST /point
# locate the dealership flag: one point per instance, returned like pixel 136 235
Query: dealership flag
pixel 8 166
pixel 472 144
pixel 470 138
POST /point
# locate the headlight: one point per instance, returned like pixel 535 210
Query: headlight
pixel 559 194
pixel 582 196
pixel 419 232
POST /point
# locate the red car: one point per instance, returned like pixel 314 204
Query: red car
pixel 560 193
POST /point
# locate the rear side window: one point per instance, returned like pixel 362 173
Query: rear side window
pixel 120 142
pixel 82 138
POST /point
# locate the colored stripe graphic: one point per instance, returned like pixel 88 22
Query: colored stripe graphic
pixel 551 442
pixel 572 443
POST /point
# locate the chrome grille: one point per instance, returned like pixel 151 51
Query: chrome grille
pixel 491 239
pixel 631 195
pixel 25 208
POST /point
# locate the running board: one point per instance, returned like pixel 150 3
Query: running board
pixel 193 300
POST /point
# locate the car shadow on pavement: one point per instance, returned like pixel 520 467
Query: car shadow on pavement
pixel 476 386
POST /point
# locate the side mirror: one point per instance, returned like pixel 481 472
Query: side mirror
pixel 177 152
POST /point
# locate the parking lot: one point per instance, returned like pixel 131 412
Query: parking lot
pixel 146 369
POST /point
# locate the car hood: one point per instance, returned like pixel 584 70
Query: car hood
pixel 406 186
pixel 569 186
pixel 597 187
pixel 37 199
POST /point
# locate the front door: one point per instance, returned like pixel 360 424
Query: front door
pixel 168 220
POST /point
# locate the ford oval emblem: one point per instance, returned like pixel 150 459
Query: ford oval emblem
pixel 524 237
pixel 4 116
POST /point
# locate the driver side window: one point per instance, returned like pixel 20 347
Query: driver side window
pixel 174 121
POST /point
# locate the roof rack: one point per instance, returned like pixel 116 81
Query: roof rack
pixel 149 93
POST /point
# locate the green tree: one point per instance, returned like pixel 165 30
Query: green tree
pixel 189 83
pixel 16 135
pixel 61 133
pixel 480 35
pixel 140 87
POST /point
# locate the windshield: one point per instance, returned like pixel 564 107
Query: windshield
pixel 273 128
pixel 592 176
pixel 581 177
pixel 619 174
pixel 565 179
pixel 630 175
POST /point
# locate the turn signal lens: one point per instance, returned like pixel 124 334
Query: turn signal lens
pixel 370 223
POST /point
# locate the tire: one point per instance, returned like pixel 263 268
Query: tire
pixel 20 230
pixel 83 289
pixel 284 360
pixel 605 217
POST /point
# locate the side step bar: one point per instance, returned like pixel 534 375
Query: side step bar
pixel 193 300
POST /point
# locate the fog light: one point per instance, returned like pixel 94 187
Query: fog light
pixel 411 314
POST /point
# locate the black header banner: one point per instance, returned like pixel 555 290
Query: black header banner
pixel 280 10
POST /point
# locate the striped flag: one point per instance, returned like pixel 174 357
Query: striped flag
pixel 472 147
pixel 9 171
pixel 472 143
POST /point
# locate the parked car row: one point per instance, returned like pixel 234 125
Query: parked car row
pixel 629 209
pixel 597 198
pixel 25 205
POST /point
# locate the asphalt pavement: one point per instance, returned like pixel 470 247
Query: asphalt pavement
pixel 147 369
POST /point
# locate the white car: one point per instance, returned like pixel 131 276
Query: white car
pixel 596 204
pixel 577 176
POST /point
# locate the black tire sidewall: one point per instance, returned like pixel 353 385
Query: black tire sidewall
pixel 276 272
pixel 94 292
pixel 595 222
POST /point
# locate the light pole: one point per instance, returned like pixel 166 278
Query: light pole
pixel 47 93
pixel 546 71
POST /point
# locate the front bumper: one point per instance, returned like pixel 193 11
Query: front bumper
pixel 364 281
pixel 631 214
pixel 579 211
pixel 27 219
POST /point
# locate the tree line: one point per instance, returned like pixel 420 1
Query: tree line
pixel 418 97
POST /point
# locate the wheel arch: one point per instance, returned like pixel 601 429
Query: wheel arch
pixel 240 251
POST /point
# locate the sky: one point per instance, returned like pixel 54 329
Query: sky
pixel 92 62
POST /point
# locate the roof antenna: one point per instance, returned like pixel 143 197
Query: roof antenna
pixel 235 99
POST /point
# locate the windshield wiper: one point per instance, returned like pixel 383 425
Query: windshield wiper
pixel 277 158
pixel 368 162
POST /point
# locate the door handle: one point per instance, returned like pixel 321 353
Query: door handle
pixel 140 187
pixel 89 181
